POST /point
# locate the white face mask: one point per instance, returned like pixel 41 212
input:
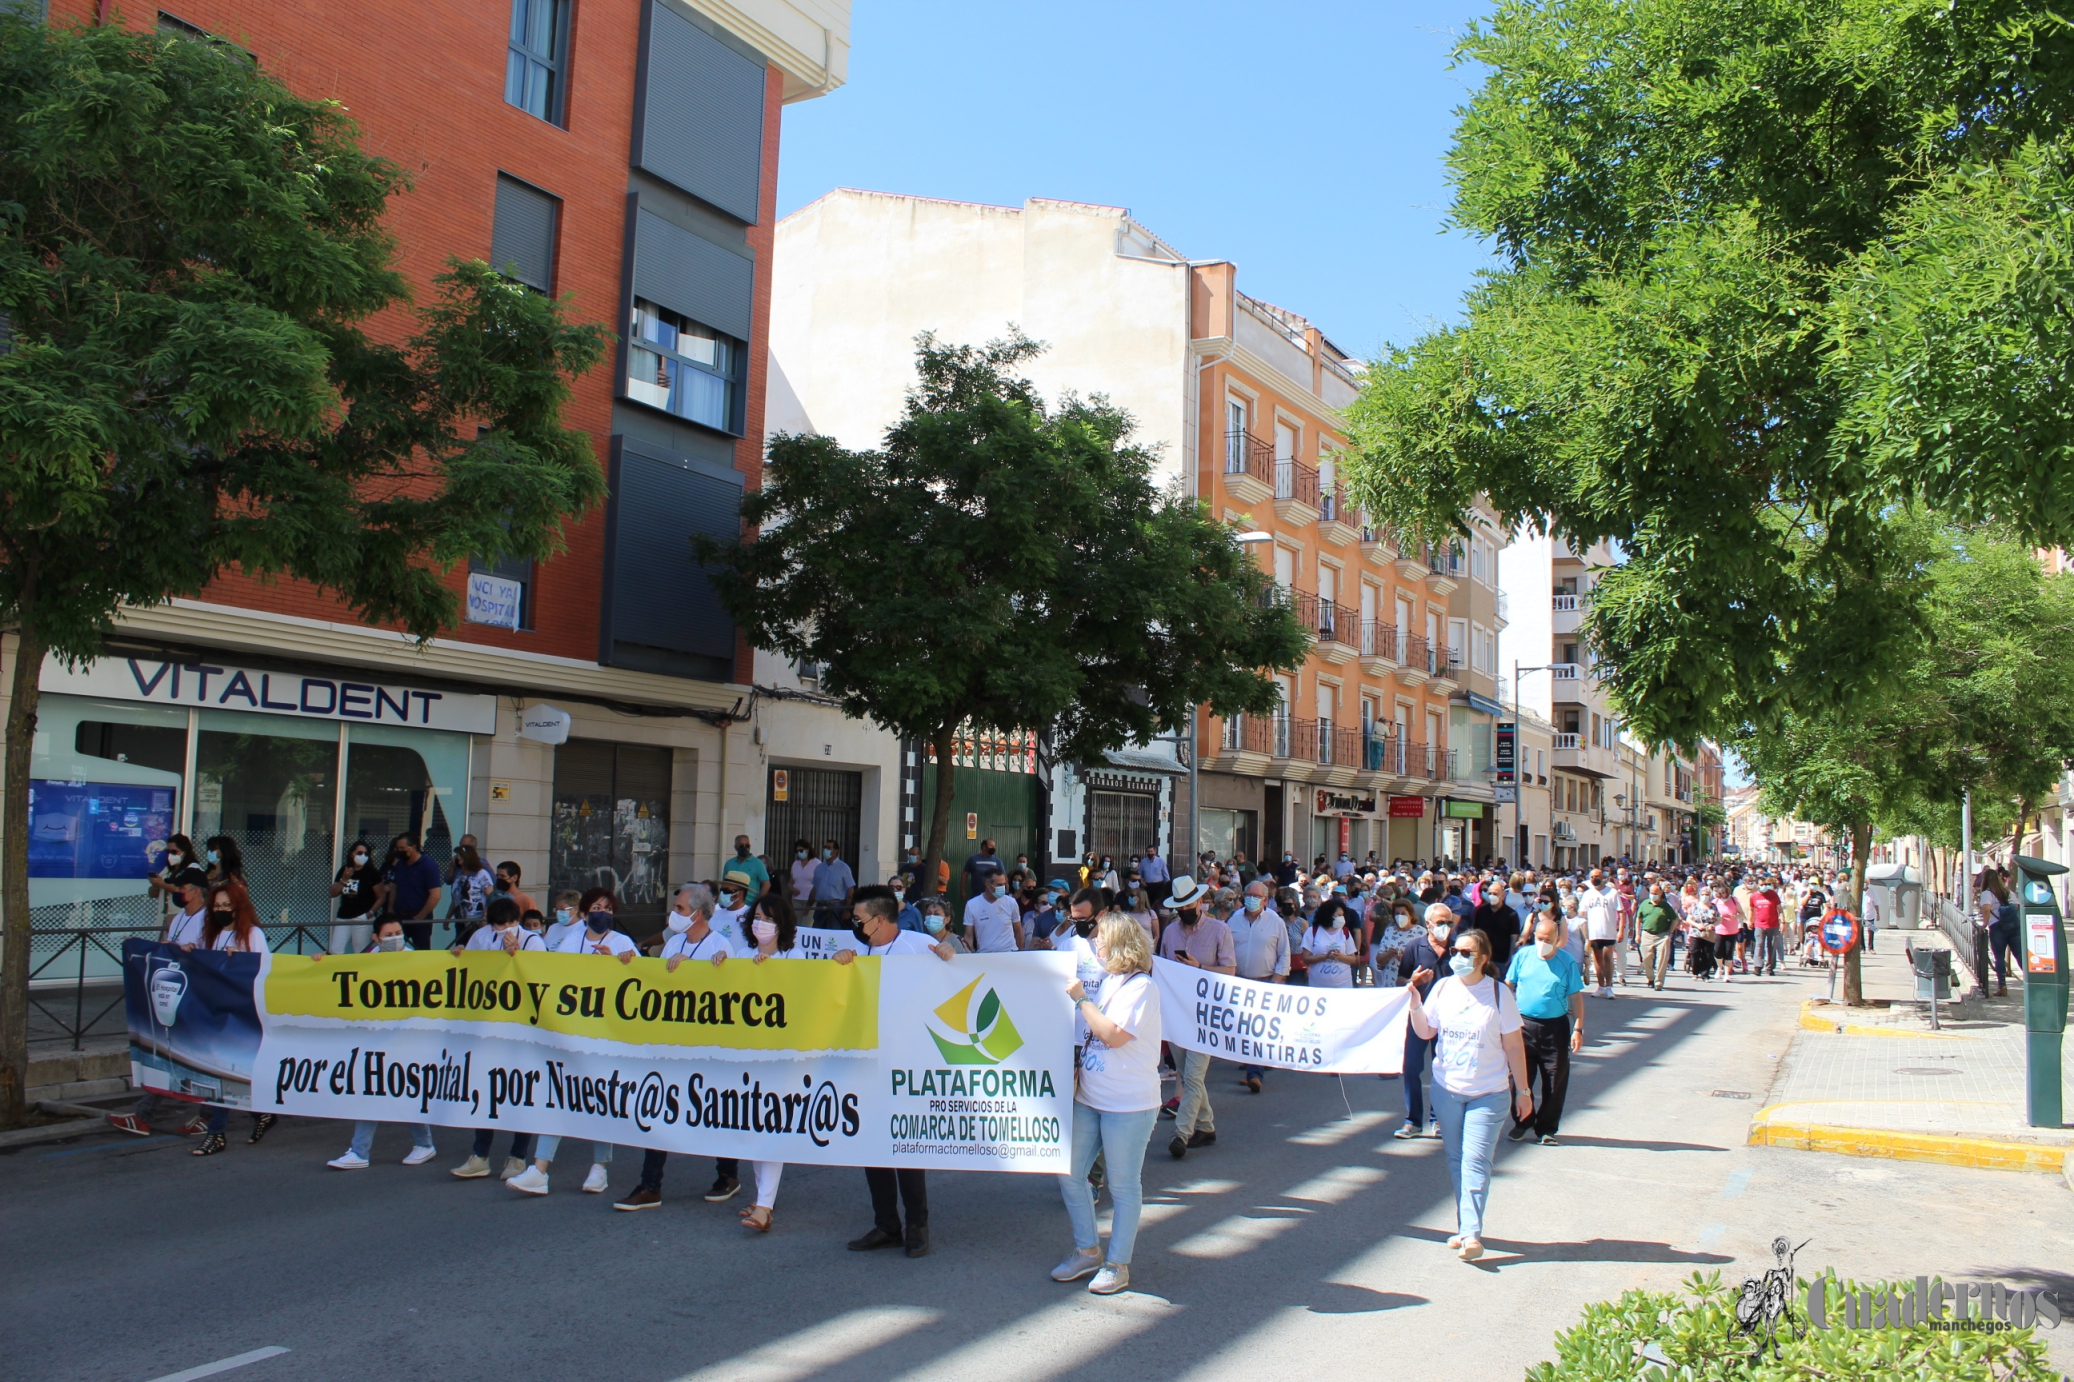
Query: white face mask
pixel 678 923
pixel 564 914
pixel 1547 948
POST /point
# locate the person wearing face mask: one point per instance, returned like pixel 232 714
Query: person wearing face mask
pixel 413 885
pixel 992 919
pixel 756 878
pixel 1200 942
pixel 184 928
pixel 903 888
pixel 1657 922
pixel 180 856
pixel 1549 989
pixel 731 915
pixel 232 928
pixel 354 887
pixel 568 912
pixel 1260 951
pixel 804 866
pixel 507 885
pixel 501 930
pixel 598 935
pixel 388 939
pixel 936 927
pixel 775 934
pixel 907 1186
pixel 1426 956
pixel 1475 1024
pixel 1286 872
pixel 834 886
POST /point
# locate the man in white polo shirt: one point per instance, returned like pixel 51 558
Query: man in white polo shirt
pixel 993 922
pixel 1599 905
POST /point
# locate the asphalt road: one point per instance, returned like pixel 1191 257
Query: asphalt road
pixel 1305 1243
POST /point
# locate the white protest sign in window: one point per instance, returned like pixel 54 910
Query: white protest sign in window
pixel 494 599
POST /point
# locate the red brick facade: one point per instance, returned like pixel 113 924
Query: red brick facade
pixel 424 80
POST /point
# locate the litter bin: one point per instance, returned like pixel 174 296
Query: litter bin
pixel 1901 894
pixel 1933 973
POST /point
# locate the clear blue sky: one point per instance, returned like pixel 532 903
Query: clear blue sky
pixel 1302 141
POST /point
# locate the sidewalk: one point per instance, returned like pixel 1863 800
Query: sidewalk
pixel 1889 1086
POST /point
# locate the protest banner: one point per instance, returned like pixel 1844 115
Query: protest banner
pixel 902 1061
pixel 1331 1031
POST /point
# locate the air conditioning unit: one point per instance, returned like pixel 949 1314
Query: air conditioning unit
pixel 1564 831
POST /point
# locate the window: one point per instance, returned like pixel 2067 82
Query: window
pixel 173 26
pixel 535 71
pixel 681 367
pixel 500 592
pixel 522 235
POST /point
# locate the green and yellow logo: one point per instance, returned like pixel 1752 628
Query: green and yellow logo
pixel 969 1033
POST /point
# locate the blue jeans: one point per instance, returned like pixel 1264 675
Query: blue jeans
pixel 1469 1130
pixel 2006 941
pixel 1416 1049
pixel 1121 1139
pixel 551 1143
pixel 363 1136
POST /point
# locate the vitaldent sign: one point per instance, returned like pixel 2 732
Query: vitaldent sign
pixel 226 686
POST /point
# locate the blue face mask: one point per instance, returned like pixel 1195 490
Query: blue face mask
pixel 1254 904
pixel 1461 965
pixel 215 856
pixel 932 923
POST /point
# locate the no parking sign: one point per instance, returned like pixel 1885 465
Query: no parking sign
pixel 1839 931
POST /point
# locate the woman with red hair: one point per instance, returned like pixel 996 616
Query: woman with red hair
pixel 232 927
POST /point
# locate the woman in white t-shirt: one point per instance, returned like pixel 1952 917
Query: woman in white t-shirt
pixel 233 928
pixel 774 929
pixel 1115 1103
pixel 1330 946
pixel 1479 1047
pixel 598 935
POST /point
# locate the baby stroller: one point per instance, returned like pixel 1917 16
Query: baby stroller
pixel 1812 956
pixel 1699 954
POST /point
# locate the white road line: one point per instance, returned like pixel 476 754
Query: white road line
pixel 818 1347
pixel 223 1365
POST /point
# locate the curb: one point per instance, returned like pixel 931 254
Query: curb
pixel 52 1132
pixel 1980 1153
pixel 1809 1022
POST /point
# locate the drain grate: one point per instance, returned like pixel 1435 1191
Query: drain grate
pixel 1730 1094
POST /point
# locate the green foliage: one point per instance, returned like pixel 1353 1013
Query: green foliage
pixel 188 253
pixel 1690 1336
pixel 1770 270
pixel 1003 564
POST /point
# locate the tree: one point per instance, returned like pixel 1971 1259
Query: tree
pixel 205 373
pixel 1002 565
pixel 1768 270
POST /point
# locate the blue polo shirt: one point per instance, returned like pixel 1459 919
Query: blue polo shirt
pixel 1543 987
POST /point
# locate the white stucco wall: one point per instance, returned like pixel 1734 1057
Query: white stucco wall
pixel 1526 576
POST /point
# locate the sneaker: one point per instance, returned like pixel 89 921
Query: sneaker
pixel 531 1181
pixel 1113 1277
pixel 1548 1140
pixel 1433 1131
pixel 1520 1133
pixel 512 1167
pixel 723 1190
pixel 1407 1132
pixel 472 1169
pixel 1077 1265
pixel 1178 1148
pixel 1470 1250
pixel 1201 1137
pixel 197 1126
pixel 420 1155
pixel 644 1197
pixel 348 1162
pixel 595 1183
pixel 129 1123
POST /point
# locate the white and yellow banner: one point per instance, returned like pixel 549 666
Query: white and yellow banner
pixel 909 1060
pixel 1332 1031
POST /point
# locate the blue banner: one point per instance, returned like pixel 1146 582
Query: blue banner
pixel 194 1025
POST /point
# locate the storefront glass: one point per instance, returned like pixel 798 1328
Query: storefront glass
pixel 104 793
pixel 407 781
pixel 270 782
pixel 1227 834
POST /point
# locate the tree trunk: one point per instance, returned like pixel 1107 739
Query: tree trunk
pixel 2016 840
pixel 14 880
pixel 940 815
pixel 1861 855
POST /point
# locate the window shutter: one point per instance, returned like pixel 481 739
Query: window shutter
pixel 699 114
pixel 522 240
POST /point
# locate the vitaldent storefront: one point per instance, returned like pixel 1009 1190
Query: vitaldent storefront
pixel 294 767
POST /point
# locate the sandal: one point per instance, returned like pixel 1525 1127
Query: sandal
pixel 261 1122
pixel 749 1219
pixel 209 1145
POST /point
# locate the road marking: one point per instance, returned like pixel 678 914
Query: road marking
pixel 1736 1182
pixel 223 1364
pixel 1337 1131
pixel 1340 1183
pixel 1235 1235
pixel 114 1146
pixel 818 1347
pixel 1710 1235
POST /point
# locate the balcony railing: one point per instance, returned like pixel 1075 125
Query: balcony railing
pixel 1295 480
pixel 1249 734
pixel 1246 454
pixel 1568 604
pixel 1564 741
pixel 1412 651
pixel 1565 671
pixel 1340 746
pixel 1446 662
pixel 1444 561
pixel 1381 640
pixel 1504 607
pixel 1332 503
pixel 1336 623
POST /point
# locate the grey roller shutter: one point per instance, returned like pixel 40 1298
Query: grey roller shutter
pixel 698 119
pixel 657 601
pixel 690 274
pixel 522 238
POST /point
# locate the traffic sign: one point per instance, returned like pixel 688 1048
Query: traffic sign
pixel 1839 931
